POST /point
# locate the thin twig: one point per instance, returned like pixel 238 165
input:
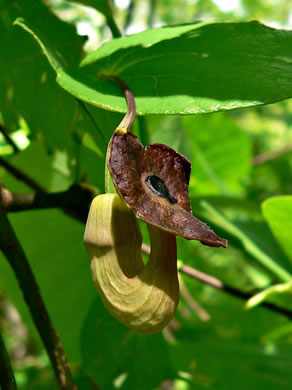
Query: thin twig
pixel 219 285
pixel 130 14
pixel 216 283
pixel 17 259
pixel 116 33
pixel 8 139
pixel 75 201
pixel 202 277
pixel 269 156
pixel 20 175
pixel 191 302
pixel 151 15
pixel 113 27
pixel 7 380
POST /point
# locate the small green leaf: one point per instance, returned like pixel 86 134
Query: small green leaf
pixel 278 213
pixel 187 69
pixel 267 293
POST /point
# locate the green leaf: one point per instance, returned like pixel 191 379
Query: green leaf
pixel 188 69
pixel 228 366
pixel 278 333
pixel 111 351
pixel 169 130
pixel 27 84
pixel 246 239
pixel 220 153
pixel 278 213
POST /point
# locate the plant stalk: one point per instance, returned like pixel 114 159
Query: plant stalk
pixel 17 259
pixel 7 380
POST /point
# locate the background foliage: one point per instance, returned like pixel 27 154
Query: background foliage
pixel 240 184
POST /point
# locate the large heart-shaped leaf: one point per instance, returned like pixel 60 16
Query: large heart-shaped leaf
pixel 188 69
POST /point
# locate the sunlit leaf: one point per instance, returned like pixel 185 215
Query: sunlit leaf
pixel 188 69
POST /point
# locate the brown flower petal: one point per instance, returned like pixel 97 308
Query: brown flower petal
pixel 154 182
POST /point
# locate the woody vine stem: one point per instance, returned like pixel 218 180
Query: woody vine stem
pixel 18 261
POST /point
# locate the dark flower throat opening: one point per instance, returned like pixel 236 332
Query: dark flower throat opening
pixel 157 186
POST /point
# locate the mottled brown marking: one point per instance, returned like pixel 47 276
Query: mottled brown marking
pixel 130 164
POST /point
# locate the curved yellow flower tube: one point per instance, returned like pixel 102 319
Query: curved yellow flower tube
pixel 143 298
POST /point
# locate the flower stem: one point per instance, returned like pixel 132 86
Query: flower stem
pixel 128 119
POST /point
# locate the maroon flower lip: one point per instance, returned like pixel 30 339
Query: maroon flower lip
pixel 154 183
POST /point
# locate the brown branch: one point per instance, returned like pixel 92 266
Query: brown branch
pixel 8 139
pixel 201 276
pixel 191 302
pixel 216 283
pixel 7 380
pixel 20 175
pixel 268 156
pixel 110 21
pixel 17 259
pixel 75 201
pixel 219 285
pixel 130 14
